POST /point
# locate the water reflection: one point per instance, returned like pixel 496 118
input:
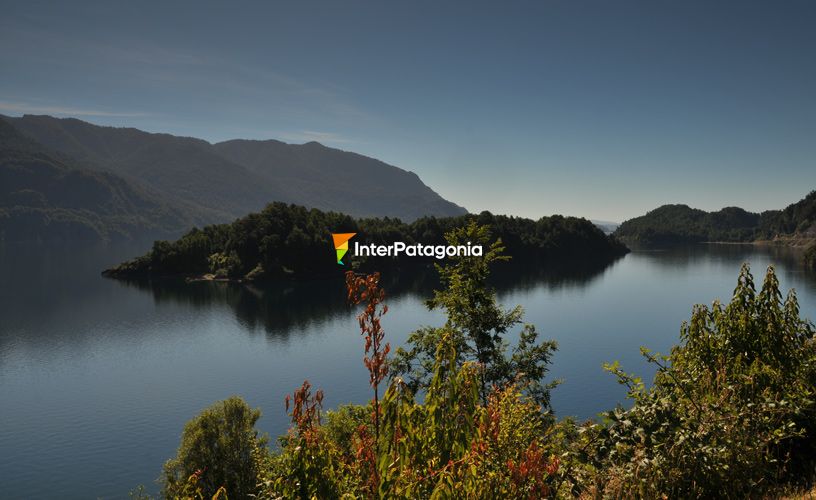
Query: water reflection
pixel 788 261
pixel 279 308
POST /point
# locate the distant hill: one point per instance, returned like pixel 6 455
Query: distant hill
pixel 224 181
pixel 330 179
pixel 46 197
pixel 676 224
pixel 606 226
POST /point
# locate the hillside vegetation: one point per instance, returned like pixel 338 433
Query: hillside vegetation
pixel 674 224
pixel 47 197
pixel 289 240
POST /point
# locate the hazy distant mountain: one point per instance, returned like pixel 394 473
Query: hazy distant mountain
pixel 672 224
pixel 227 180
pixel 606 226
pixel 46 197
pixel 330 179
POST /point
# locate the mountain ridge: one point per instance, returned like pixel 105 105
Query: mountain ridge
pixel 225 182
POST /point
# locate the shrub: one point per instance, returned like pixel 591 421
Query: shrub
pixel 310 464
pixel 731 410
pixel 221 448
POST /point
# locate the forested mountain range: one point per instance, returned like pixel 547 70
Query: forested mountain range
pixel 673 224
pixel 212 183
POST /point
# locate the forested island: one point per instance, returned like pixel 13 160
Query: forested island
pixel 290 241
pixel 678 224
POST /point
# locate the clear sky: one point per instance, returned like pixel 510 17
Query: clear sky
pixel 599 109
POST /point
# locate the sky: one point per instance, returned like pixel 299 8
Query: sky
pixel 603 109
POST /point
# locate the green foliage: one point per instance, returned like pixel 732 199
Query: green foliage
pixel 221 448
pixel 225 265
pixel 310 465
pixel 477 325
pixel 454 447
pixel 340 426
pixel 424 440
pixel 448 446
pixel 731 411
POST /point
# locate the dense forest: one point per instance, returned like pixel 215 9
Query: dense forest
pixel 673 224
pixel 289 240
pixel 459 413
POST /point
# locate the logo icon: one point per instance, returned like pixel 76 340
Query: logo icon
pixel 341 244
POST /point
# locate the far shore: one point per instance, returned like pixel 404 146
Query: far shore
pixel 802 243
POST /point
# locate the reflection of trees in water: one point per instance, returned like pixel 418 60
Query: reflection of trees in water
pixel 524 276
pixel 281 307
pixel 787 260
pixel 684 256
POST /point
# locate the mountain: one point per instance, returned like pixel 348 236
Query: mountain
pixel 227 180
pixel 330 179
pixel 677 224
pixel 46 197
pixel 606 226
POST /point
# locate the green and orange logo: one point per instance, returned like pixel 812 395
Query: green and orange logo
pixel 341 244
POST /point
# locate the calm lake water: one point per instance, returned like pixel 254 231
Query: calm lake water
pixel 98 377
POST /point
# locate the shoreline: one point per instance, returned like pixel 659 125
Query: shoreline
pixel 801 242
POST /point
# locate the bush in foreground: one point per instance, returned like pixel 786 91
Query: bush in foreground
pixel 731 411
pixel 219 448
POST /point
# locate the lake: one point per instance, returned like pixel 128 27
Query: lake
pixel 98 377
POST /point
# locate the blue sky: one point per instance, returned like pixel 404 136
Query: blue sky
pixel 597 109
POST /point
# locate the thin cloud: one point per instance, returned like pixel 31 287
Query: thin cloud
pixel 313 135
pixel 25 108
pixel 204 72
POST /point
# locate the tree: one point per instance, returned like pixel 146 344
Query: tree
pixel 477 325
pixel 221 448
